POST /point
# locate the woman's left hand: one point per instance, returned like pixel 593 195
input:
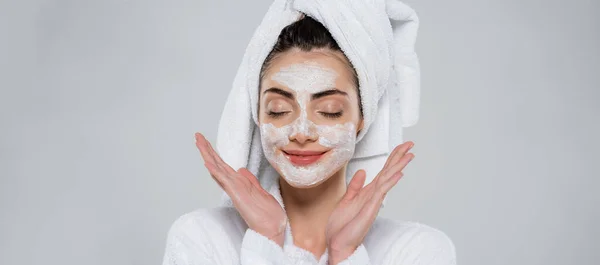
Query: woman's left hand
pixel 355 213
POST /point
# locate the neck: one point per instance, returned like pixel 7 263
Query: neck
pixel 308 210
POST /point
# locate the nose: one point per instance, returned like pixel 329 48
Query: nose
pixel 303 132
pixel 302 137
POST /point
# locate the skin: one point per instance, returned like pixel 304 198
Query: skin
pixel 327 215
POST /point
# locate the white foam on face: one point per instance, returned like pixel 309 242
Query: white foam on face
pixel 306 79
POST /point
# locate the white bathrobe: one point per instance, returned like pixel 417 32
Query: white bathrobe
pixel 378 37
pixel 221 236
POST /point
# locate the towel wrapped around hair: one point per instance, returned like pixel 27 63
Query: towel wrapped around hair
pixel 378 38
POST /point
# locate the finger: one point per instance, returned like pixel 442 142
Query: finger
pixel 253 180
pixel 369 187
pixel 211 152
pixel 396 154
pixel 212 169
pixel 402 149
pixel 391 156
pixel 248 175
pixel 394 168
pixel 219 161
pixel 215 171
pixel 396 176
pixel 204 151
pixel 207 150
pixel 390 183
pixel 357 182
pixel 206 154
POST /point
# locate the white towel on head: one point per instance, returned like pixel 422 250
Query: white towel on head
pixel 377 36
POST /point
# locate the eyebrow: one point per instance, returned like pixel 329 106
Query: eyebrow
pixel 314 96
pixel 280 92
pixel 329 92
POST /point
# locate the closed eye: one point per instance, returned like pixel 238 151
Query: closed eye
pixel 276 114
pixel 332 115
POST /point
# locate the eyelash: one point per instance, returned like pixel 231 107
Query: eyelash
pixel 326 114
pixel 276 114
pixel 332 115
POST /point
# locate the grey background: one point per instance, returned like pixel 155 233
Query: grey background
pixel 99 101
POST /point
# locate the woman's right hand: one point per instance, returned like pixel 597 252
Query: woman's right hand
pixel 259 209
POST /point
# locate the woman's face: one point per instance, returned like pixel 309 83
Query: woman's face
pixel 309 115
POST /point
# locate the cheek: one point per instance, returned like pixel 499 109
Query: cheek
pixel 331 136
pixel 273 136
pixel 337 136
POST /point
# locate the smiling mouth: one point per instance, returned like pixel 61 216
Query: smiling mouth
pixel 303 158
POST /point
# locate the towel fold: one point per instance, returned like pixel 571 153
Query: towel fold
pixel 377 36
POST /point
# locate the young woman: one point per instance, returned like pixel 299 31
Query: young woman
pixel 309 116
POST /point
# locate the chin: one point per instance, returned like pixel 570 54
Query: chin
pixel 295 176
pixel 303 186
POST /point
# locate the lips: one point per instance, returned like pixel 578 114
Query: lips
pixel 303 158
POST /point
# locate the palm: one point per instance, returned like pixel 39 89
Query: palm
pixel 355 213
pixel 257 207
pixel 260 209
pixel 345 211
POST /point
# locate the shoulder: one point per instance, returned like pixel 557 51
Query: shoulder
pixel 206 223
pixel 204 236
pixel 409 242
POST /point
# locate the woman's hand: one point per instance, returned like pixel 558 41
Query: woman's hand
pixel 259 209
pixel 355 213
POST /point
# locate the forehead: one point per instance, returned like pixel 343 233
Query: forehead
pixel 310 70
pixel 307 76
